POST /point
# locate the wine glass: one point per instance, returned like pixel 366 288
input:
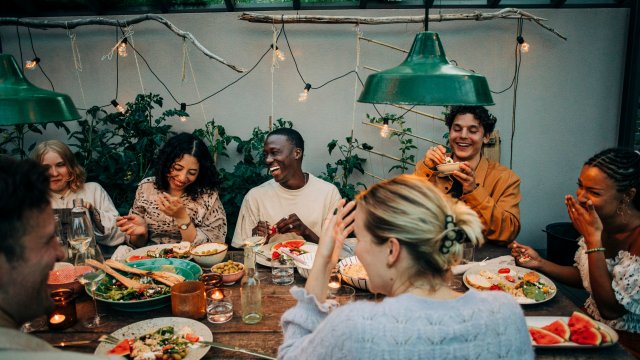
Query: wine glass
pixel 90 276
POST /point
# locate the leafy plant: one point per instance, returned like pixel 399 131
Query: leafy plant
pixel 340 172
pixel 12 137
pixel 406 143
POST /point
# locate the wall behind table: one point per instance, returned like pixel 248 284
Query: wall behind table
pixel 568 98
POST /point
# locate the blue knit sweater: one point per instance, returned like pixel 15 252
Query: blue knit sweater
pixel 477 325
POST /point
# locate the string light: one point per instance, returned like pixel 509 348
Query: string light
pixel 183 108
pixel 524 46
pixel 117 106
pixel 302 97
pixel 385 131
pixel 279 53
pixel 31 64
pixel 122 48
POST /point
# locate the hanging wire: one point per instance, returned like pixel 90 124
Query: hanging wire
pixel 117 69
pixel 20 48
pixel 515 91
pixel 40 64
pixel 75 52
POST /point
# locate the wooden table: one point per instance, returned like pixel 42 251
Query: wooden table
pixel 266 336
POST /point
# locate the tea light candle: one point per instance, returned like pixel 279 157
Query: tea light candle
pixel 219 306
pixel 63 315
pixel 217 294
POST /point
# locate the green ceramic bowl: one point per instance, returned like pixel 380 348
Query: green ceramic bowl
pixel 188 269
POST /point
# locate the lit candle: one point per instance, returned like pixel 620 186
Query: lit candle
pixel 57 319
pixel 217 294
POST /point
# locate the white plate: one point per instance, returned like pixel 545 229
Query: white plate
pixel 519 272
pixel 263 256
pixel 143 251
pixel 149 326
pixel 540 321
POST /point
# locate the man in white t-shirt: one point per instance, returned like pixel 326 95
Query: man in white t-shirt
pixel 294 202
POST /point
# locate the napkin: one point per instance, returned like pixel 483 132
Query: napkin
pixel 501 261
pixel 121 252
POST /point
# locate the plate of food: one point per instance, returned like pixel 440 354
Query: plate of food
pixel 576 331
pixel 165 251
pixel 269 251
pixel 155 291
pixel 157 337
pixel 525 285
pixel 353 272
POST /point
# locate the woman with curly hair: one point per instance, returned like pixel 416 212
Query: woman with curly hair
pixel 67 182
pixel 490 189
pixel 181 202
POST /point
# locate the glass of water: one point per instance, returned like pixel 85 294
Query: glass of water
pixel 282 270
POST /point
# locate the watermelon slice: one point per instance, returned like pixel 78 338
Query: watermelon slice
pixel 606 337
pixel 291 244
pixel 559 328
pixel 544 337
pixel 586 336
pixel 133 258
pixel 579 321
pixel 123 348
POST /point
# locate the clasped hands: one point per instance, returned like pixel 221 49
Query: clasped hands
pixel 466 176
pixel 289 224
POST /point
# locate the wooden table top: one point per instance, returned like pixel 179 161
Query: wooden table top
pixel 266 336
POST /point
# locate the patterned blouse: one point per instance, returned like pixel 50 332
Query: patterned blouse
pixel 625 276
pixel 206 213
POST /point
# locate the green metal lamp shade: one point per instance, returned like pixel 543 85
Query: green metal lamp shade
pixel 425 77
pixel 21 102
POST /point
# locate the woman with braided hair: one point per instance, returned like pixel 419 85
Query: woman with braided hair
pixel 409 235
pixel 606 212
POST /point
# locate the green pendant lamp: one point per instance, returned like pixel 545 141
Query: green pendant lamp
pixel 21 102
pixel 426 77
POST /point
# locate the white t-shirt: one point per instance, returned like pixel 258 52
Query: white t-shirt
pixel 271 202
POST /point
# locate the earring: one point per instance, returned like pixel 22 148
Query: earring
pixel 623 209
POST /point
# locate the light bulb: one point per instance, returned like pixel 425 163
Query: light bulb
pixel 117 106
pixel 385 131
pixel 280 55
pixel 122 48
pixel 302 97
pixel 183 108
pixel 524 47
pixel 31 64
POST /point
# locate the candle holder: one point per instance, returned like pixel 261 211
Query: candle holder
pixel 188 300
pixel 64 313
pixel 211 280
pixel 219 305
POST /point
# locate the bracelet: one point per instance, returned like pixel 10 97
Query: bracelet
pixel 589 251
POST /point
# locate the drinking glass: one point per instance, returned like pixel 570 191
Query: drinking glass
pixel 90 277
pixel 334 281
pixel 188 299
pixel 468 251
pixel 345 295
pixel 219 305
pixel 282 270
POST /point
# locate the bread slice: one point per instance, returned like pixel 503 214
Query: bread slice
pixel 478 282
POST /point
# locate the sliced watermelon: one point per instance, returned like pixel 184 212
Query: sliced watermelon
pixel 559 328
pixel 291 244
pixel 544 337
pixel 586 336
pixel 579 321
pixel 133 258
pixel 123 348
pixel 606 337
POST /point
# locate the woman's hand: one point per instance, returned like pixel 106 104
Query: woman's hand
pixel 132 225
pixel 435 156
pixel 585 220
pixel 467 177
pixel 525 256
pixel 172 206
pixel 335 230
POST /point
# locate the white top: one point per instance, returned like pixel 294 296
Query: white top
pixel 477 325
pixel 625 274
pixel 271 202
pixel 101 202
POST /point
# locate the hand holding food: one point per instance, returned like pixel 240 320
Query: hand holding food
pixel 172 206
pixel 585 220
pixel 263 228
pixel 132 225
pixel 525 256
pixel 435 156
pixel 467 177
pixel 291 224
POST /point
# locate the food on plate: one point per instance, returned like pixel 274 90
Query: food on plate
pixel 448 160
pixel 133 258
pixel 114 290
pixel 170 252
pixel 209 249
pixel 543 337
pixel 182 249
pixel 579 329
pixel 164 343
pixel 527 287
pixel 294 246
pixel 355 270
pixel 228 267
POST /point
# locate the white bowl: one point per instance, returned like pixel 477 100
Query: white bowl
pixel 448 168
pixel 359 282
pixel 305 269
pixel 209 254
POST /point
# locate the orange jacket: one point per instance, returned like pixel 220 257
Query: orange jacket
pixel 496 199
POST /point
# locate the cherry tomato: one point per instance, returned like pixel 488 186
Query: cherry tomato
pixel 273 229
pixel 504 271
pixel 494 287
pixel 510 278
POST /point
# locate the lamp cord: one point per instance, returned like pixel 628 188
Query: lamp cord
pixel 40 63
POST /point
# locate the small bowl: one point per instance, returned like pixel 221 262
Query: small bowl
pixel 209 254
pixel 63 277
pixel 305 269
pixel 211 280
pixel 230 279
pixel 448 168
pixel 359 282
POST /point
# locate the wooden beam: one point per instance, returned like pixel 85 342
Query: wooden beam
pixel 363 4
pixel 557 3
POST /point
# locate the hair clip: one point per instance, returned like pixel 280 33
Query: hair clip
pixel 451 234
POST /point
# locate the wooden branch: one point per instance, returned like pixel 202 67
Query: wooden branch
pixel 72 24
pixel 506 13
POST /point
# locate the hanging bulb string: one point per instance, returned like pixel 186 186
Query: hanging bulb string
pixel 20 48
pixel 129 34
pixel 355 85
pixel 515 95
pixel 40 64
pixel 117 71
pixel 517 57
pixel 75 53
pixel 274 64
pixel 195 83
